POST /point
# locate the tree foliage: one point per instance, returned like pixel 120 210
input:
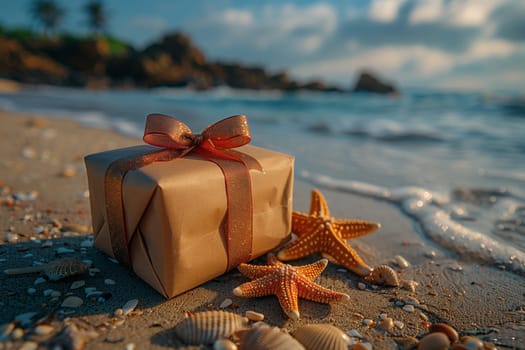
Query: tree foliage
pixel 48 13
pixel 97 15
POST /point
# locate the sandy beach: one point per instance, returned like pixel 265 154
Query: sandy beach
pixel 45 214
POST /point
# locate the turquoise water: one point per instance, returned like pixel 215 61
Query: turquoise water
pixel 452 161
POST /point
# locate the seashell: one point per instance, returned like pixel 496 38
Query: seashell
pixel 399 324
pixel 54 270
pixel 265 337
pixel 17 333
pixel 322 336
pixel 361 346
pixel 208 326
pixel 224 344
pixel 434 341
pixel 72 301
pixel 129 306
pixel 29 345
pixel 407 343
pixel 446 329
pixel 77 284
pixel 44 329
pixel 383 275
pixel 400 261
pixel 368 322
pixel 226 302
pixel 409 308
pixel 254 316
pixel 471 343
pixel 409 285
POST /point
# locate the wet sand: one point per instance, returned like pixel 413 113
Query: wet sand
pixel 41 164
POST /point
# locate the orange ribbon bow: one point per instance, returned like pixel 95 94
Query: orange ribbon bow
pixel 214 144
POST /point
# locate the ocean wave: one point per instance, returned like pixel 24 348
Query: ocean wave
pixel 445 219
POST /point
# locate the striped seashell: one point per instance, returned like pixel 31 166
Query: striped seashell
pixel 322 336
pixel 54 270
pixel 208 326
pixel 265 337
pixel 383 275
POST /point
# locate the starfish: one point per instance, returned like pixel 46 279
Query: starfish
pixel 288 283
pixel 320 233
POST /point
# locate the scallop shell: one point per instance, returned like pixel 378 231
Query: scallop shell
pixel 322 336
pixel 208 326
pixel 383 275
pixel 266 338
pixel 63 268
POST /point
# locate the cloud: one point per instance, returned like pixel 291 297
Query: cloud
pixel 384 10
pixel 426 11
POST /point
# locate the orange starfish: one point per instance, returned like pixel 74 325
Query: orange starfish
pixel 288 283
pixel 320 233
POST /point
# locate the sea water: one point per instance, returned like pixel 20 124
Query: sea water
pixel 454 162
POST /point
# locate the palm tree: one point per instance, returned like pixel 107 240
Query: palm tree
pixel 97 15
pixel 48 13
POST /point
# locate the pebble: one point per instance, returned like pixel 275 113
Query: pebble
pixel 69 171
pixel 430 254
pixel 29 345
pixel 400 261
pixel 409 308
pixel 109 282
pixel 411 301
pixel 48 243
pixel 44 329
pixel 361 285
pixel 77 284
pixel 224 344
pixel 31 291
pixel 354 333
pixel 341 270
pixel 118 312
pixel 387 324
pixel 130 306
pixel 39 280
pixel 455 267
pixel 382 316
pixel 64 250
pixel 368 322
pixel 25 318
pixel 471 343
pixel 450 332
pixel 28 255
pixel 434 341
pixel 76 228
pixel 72 302
pixel 87 243
pixel 88 290
pixel 130 346
pixel 28 153
pixel 254 316
pixel 399 324
pixel 93 271
pixel 227 302
pixel 11 237
pixel 17 333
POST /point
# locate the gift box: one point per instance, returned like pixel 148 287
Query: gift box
pixel 191 210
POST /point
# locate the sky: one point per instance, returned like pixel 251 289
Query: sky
pixel 452 44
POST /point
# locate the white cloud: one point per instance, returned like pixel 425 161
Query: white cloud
pixel 384 10
pixel 427 11
pixel 471 12
pixel 236 17
pixel 489 48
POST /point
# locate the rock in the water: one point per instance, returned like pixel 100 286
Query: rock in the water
pixel 367 82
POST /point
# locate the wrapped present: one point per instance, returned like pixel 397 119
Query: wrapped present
pixel 192 206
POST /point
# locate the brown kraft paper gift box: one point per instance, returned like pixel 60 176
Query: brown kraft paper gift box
pixel 174 213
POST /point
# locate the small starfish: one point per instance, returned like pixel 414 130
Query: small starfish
pixel 288 283
pixel 320 233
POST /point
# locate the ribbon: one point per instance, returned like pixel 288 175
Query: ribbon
pixel 214 144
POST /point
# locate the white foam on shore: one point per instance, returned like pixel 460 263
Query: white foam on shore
pixel 435 212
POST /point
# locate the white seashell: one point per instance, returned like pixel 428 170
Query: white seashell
pixel 39 280
pixel 383 275
pixel 109 282
pixel 382 316
pixel 29 345
pixel 227 302
pixel 118 312
pixel 322 336
pixel 409 285
pixel 400 261
pixel 11 237
pixel 409 308
pixel 77 284
pixel 361 285
pixel 72 302
pixel 265 337
pixel 44 329
pixel 130 346
pixel 129 306
pixel 224 344
pixel 254 316
pixel 399 324
pixel 208 326
pixel 354 334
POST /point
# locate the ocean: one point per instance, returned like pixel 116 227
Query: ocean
pixel 453 162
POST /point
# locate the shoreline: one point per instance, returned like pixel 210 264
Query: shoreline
pixel 46 156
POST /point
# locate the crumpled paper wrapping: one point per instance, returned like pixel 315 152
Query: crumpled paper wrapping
pixel 174 213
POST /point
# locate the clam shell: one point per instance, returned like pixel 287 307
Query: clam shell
pixel 322 336
pixel 208 326
pixel 266 338
pixel 63 268
pixel 384 275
